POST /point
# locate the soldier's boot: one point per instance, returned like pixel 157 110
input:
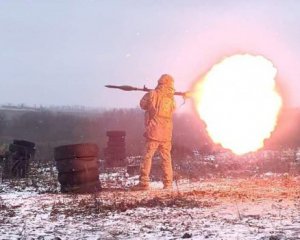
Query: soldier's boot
pixel 146 167
pixel 140 187
pixel 168 186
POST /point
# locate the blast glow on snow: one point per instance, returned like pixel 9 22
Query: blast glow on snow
pixel 239 103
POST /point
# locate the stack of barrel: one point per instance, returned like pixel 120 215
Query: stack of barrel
pixel 18 159
pixel 115 152
pixel 78 167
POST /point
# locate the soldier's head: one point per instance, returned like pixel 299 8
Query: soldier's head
pixel 166 80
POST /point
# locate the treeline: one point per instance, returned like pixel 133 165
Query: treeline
pixel 48 129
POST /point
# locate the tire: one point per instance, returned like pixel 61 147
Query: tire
pixel 115 150
pixel 18 166
pixel 84 150
pixel 82 188
pixel 116 134
pixel 83 159
pixel 76 165
pixel 116 141
pixel 78 178
pixel 14 148
pixel 24 143
pixel 118 156
pixel 133 170
pixel 115 144
pixel 22 150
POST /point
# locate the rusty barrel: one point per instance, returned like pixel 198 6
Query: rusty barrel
pixel 78 167
pixel 115 152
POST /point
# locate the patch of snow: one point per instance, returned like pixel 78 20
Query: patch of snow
pixel 254 208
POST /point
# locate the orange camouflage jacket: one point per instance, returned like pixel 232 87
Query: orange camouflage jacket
pixel 159 106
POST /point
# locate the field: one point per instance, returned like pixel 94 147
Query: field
pixel 260 207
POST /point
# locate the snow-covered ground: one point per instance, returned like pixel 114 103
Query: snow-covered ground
pixel 266 207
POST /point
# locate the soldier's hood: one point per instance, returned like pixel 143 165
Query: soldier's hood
pixel 166 80
pixel 165 90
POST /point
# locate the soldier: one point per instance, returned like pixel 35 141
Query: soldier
pixel 159 106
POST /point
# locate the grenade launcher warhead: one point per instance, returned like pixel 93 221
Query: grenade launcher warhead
pixel 145 89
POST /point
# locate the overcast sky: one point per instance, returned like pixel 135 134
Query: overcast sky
pixel 64 52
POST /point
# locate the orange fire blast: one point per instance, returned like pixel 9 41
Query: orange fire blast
pixel 239 103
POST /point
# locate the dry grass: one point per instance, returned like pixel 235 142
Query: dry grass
pixel 208 194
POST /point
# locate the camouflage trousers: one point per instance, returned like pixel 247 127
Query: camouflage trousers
pixel 164 149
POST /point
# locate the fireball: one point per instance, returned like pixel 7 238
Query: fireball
pixel 239 103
